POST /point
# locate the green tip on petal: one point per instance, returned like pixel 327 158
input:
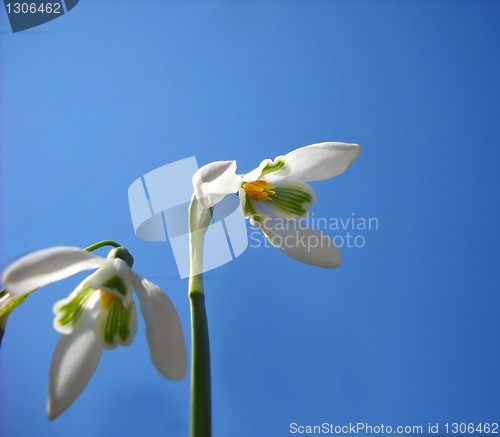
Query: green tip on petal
pixel 273 166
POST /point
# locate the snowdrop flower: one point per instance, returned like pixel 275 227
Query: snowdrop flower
pixel 275 196
pixel 99 314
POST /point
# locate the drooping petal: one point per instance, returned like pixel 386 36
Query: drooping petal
pixel 163 329
pixel 300 242
pixel 214 181
pixel 113 278
pixel 75 360
pixel 46 266
pixel 317 162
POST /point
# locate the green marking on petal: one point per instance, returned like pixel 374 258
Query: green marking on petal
pixel 273 166
pixel 291 200
pixel 125 327
pixel 117 323
pixel 294 193
pixel 116 283
pixel 70 312
pixel 251 212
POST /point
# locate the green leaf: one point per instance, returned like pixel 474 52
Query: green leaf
pixel 7 304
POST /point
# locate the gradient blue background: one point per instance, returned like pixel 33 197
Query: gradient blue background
pixel 405 332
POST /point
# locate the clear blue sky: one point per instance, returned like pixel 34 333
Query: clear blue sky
pixel 405 332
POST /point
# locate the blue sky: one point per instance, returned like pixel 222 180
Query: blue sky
pixel 405 332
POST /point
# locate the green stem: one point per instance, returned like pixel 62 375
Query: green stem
pixel 100 244
pixel 201 414
pixel 7 304
pixel 201 400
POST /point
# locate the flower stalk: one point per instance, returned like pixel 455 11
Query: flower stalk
pixel 7 304
pixel 200 409
pixel 100 244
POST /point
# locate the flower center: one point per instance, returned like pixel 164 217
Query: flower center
pixel 107 299
pixel 259 190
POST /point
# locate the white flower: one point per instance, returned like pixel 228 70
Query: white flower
pixel 99 314
pixel 274 196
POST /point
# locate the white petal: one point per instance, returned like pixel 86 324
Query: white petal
pixel 300 242
pixel 75 359
pixel 163 329
pixel 318 162
pixel 46 266
pixel 242 196
pixel 214 181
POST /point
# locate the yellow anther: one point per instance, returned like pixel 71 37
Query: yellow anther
pixel 259 190
pixel 107 299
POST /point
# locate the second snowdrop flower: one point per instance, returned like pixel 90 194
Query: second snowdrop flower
pixel 99 314
pixel 275 195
